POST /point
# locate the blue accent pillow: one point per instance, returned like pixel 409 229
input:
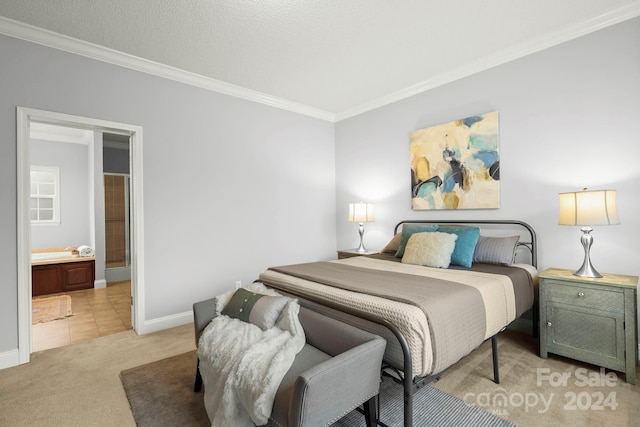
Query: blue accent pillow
pixel 408 230
pixel 465 244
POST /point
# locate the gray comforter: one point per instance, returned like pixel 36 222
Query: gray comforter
pixel 460 312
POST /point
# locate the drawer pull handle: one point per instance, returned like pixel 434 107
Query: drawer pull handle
pixel 581 294
pixel 548 324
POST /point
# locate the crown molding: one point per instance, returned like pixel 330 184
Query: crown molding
pixel 59 41
pixel 613 17
pixel 54 40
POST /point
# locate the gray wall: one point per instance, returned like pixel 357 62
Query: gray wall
pixel 569 119
pixel 231 186
pixel 73 160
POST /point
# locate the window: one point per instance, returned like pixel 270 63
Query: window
pixel 45 195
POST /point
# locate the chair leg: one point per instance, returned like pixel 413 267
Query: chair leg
pixel 370 412
pixel 198 385
pixel 496 364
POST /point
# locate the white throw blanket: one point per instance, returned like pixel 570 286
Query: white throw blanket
pixel 242 366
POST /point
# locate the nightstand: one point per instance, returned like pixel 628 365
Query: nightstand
pixel 591 320
pixel 348 253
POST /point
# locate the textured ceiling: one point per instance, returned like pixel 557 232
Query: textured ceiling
pixel 339 57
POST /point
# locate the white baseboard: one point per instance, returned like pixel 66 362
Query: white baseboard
pixel 99 284
pixel 162 323
pixel 9 359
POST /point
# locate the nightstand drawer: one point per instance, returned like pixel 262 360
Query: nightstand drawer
pixel 597 297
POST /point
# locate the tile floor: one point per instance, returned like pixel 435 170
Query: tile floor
pixel 96 312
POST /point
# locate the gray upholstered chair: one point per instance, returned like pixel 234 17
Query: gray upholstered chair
pixel 337 371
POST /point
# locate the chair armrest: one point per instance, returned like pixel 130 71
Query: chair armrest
pixel 329 390
pixel 203 313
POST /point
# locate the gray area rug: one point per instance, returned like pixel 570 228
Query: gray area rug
pixel 161 394
pixel 431 408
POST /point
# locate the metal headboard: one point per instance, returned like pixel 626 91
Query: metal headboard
pixel 531 244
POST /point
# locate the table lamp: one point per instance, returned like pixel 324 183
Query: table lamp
pixel 587 208
pixel 361 213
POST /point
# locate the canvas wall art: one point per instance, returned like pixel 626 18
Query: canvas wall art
pixel 456 165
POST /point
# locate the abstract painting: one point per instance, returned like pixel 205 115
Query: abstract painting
pixel 456 165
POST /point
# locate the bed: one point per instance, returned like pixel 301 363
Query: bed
pixel 431 316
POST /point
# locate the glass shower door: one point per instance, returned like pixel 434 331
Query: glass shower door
pixel 116 193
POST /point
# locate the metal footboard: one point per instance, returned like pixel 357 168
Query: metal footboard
pixel 410 384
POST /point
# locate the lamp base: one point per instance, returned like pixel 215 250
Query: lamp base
pixel 587 270
pixel 361 248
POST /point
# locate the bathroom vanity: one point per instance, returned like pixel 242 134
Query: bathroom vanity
pixel 63 274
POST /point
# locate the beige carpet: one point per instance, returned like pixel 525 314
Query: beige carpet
pixel 46 309
pixel 531 393
pixel 79 384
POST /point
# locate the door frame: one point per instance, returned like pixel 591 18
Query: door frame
pixel 24 116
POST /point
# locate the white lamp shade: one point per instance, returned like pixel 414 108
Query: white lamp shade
pixel 361 212
pixel 588 208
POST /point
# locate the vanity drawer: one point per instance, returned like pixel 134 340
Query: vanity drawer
pixel 597 297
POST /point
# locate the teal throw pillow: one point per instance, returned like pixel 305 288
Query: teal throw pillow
pixel 465 244
pixel 261 310
pixel 408 230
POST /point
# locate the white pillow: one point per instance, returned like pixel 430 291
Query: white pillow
pixel 431 249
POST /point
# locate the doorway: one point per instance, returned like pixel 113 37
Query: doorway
pixel 25 117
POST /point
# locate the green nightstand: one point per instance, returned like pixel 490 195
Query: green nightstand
pixel 591 320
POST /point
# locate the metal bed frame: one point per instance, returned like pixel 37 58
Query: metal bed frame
pixel 410 384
